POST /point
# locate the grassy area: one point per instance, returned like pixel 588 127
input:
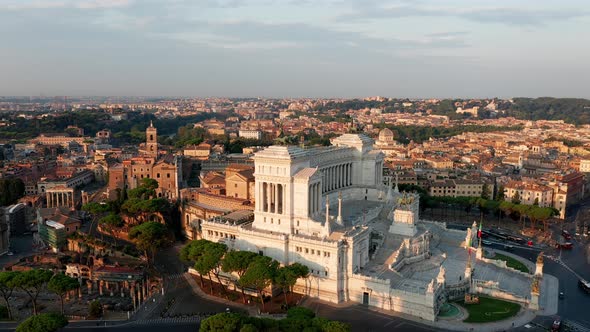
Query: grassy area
pixel 490 310
pixel 513 263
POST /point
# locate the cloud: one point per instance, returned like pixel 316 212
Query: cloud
pixel 248 35
pixel 53 4
pixel 503 15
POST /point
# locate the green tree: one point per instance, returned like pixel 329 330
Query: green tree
pixel 238 262
pixel 111 223
pixel 43 323
pixel 500 193
pixel 485 191
pixel 259 275
pixel 191 252
pixel 287 276
pixel 61 284
pixel 516 198
pixel 95 309
pixel 335 326
pixel 7 286
pixel 223 322
pixel 32 282
pixel 149 237
pixel 207 258
pixel 214 253
pixel 11 190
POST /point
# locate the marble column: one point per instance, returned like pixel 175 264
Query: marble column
pixel 267 197
pixel 276 198
pixel 318 198
pixel 332 178
pixel 310 204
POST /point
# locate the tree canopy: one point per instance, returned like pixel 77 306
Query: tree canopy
pixel 149 237
pixel 32 282
pixel 11 190
pixel 7 286
pixel 43 323
pixel 260 274
pixel 298 319
pixel 60 284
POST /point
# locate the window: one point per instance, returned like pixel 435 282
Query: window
pixel 306 250
pixel 158 175
pixel 235 185
pixel 312 251
pixel 168 175
pixel 260 253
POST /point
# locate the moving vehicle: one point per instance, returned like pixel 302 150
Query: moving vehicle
pixel 561 295
pixel 585 285
pixel 556 324
pixel 566 245
pixel 486 242
pixel 508 247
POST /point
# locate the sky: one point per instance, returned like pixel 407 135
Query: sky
pixel 295 48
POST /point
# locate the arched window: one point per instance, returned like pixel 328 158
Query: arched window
pixel 151 137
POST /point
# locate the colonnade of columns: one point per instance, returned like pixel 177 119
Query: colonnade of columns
pixel 314 198
pixel 336 177
pixel 273 197
pixel 60 198
pixel 379 173
pixel 138 291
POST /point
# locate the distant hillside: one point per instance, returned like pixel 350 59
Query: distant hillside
pixel 571 110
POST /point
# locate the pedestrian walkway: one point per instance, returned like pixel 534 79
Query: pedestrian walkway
pixel 522 318
pixel 575 326
pixel 170 321
pixel 252 311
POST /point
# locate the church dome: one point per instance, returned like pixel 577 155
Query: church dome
pixel 386 135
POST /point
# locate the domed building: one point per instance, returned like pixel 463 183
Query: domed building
pixel 385 135
pixel 387 143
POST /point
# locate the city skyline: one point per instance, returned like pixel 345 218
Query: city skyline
pixel 266 48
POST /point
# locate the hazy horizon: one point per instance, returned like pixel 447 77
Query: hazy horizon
pixel 295 49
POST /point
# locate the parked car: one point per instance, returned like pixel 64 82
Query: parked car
pixel 486 242
pixel 566 245
pixel 585 285
pixel 561 295
pixel 508 247
pixel 566 235
pixel 556 324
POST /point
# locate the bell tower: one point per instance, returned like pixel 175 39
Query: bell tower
pixel 151 140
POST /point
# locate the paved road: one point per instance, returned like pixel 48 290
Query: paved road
pixel 573 309
pixel 141 328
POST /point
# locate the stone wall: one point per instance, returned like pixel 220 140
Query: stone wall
pixel 492 289
pixel 223 201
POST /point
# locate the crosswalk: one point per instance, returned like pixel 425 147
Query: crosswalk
pixel 169 321
pixel 575 326
pixel 175 276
